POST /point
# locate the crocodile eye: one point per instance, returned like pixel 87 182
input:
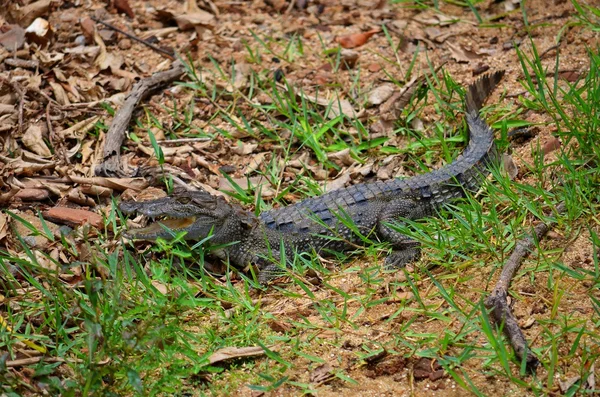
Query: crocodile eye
pixel 184 200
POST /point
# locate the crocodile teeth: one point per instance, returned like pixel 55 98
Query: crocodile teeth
pixel 158 228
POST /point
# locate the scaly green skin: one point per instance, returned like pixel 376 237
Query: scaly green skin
pixel 321 223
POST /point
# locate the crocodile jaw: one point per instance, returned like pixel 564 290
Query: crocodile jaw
pixel 161 229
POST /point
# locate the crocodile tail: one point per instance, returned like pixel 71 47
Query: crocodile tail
pixel 480 89
pixel 481 150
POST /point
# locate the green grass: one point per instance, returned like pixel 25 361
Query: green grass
pixel 146 323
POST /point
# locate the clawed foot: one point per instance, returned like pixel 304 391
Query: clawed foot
pixel 399 259
pixel 269 273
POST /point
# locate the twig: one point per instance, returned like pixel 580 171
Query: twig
pixel 551 48
pixel 21 63
pixel 49 124
pixel 168 54
pixel 34 360
pixel 111 155
pixel 502 313
pixel 184 140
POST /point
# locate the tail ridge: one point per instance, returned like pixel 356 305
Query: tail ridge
pixel 480 90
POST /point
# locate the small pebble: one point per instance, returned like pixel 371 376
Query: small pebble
pixel 65 230
pixel 80 40
pixel 30 241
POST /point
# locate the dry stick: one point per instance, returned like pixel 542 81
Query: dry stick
pixel 168 54
pixel 34 360
pixel 502 313
pixel 184 140
pixel 111 154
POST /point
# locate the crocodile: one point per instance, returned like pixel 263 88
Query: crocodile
pixel 333 222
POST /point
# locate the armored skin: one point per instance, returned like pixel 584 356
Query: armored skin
pixel 331 221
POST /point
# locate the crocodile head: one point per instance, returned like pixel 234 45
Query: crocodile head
pixel 196 212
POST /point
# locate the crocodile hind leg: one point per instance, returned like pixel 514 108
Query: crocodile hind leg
pixel 405 249
pixel 269 273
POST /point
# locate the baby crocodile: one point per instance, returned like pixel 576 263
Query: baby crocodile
pixel 336 221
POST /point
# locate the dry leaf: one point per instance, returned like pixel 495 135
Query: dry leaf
pixel 348 59
pixel 551 145
pixel 528 323
pixel 394 105
pixel 438 35
pixel 435 19
pixel 47 59
pixel 124 7
pixel 243 148
pixel 74 150
pixel 76 196
pixel 45 262
pixel 511 5
pixel 106 60
pixel 357 170
pixel 391 109
pixel 241 75
pixel 37 240
pixel 167 151
pixel 150 193
pixel 510 167
pixel 3 225
pixel 78 130
pixel 299 162
pixel 28 194
pixel 7 109
pixel 322 374
pixel 380 94
pixel 59 93
pixel 336 106
pixel 13 39
pixel 158 33
pixel 460 54
pixel 119 184
pixel 258 183
pixel 343 156
pixel 33 139
pixel 229 353
pixel 88 28
pixel 591 380
pixel 567 384
pixel 96 191
pixel 26 15
pixel 19 166
pixel 338 183
pixel 73 216
pixel 356 39
pixel 569 75
pixel 39 32
pixel 279 326
pixel 160 287
pixel 255 163
pixel 193 16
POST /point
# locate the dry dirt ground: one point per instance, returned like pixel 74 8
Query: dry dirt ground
pixel 62 78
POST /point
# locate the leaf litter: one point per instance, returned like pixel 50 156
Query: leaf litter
pixel 63 75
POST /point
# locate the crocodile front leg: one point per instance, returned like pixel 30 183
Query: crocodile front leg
pixel 405 249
